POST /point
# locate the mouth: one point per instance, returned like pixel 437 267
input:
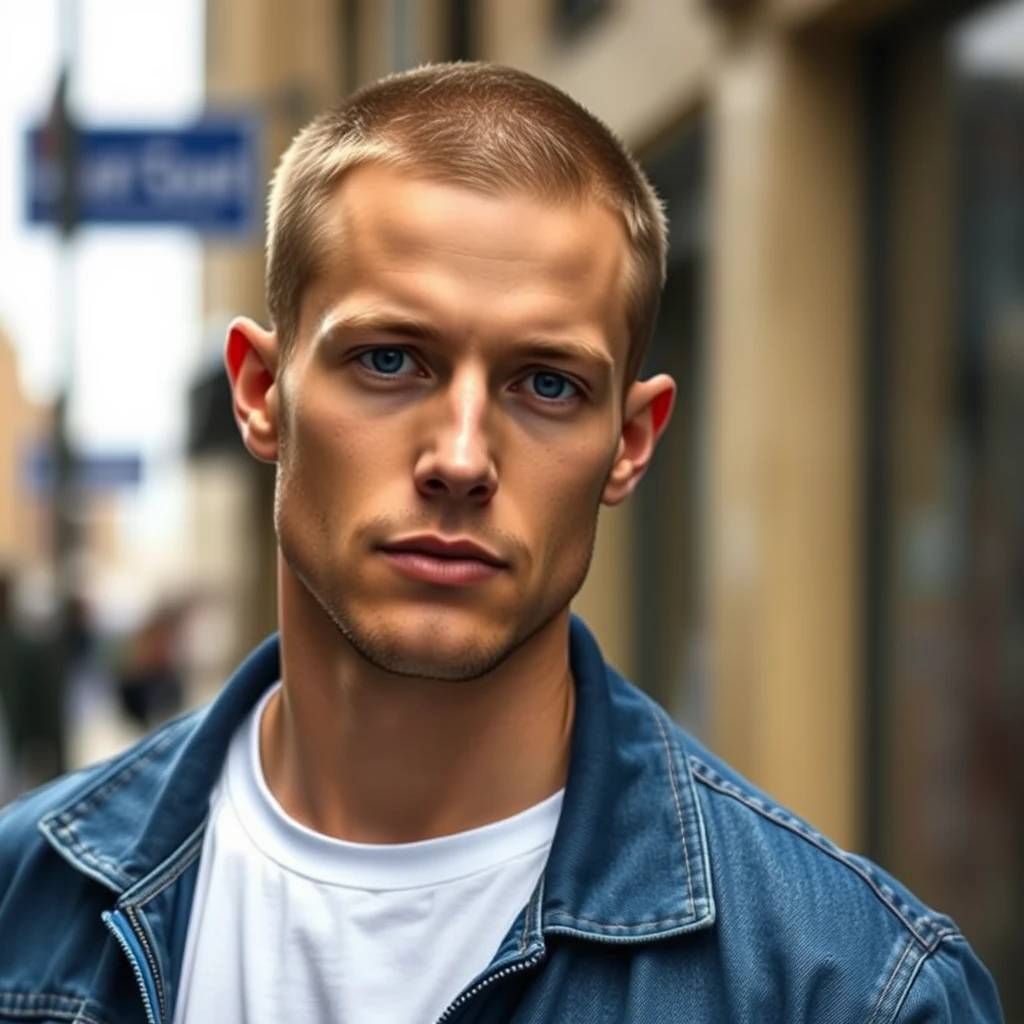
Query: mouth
pixel 433 546
pixel 436 560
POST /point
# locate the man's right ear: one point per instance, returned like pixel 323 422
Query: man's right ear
pixel 252 359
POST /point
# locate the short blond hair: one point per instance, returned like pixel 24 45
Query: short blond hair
pixel 490 128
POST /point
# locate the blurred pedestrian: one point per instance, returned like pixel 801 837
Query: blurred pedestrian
pixel 151 684
pixel 430 797
pixel 30 695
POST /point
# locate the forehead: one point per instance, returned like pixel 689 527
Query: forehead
pixel 455 252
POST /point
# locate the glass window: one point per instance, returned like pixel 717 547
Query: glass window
pixel 669 607
pixel 951 816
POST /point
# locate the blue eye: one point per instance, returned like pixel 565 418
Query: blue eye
pixel 386 361
pixel 552 387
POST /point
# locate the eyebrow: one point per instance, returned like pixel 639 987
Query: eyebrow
pixel 398 325
pixel 566 349
pixel 376 322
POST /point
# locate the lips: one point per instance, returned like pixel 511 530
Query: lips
pixel 441 563
pixel 433 546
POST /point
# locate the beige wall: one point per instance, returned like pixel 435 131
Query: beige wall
pixel 643 64
pixel 785 400
pixel 637 67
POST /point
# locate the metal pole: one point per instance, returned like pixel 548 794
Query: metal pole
pixel 65 484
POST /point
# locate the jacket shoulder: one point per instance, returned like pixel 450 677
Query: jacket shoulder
pixel 23 820
pixel 750 816
pixel 813 895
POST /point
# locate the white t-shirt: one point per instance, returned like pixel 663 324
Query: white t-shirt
pixel 290 925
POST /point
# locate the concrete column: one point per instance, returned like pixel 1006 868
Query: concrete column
pixel 784 410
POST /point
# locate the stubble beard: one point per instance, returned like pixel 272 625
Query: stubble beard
pixel 480 656
pixel 393 651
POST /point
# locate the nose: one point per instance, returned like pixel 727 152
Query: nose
pixel 457 461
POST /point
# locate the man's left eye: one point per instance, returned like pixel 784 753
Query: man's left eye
pixel 388 362
pixel 551 386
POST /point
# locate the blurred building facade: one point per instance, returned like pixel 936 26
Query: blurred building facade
pixel 26 508
pixel 24 540
pixel 823 575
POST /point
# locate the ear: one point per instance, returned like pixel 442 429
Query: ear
pixel 646 412
pixel 251 358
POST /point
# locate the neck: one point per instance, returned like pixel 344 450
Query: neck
pixel 359 754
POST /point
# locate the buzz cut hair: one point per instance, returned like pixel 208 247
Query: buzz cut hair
pixel 486 127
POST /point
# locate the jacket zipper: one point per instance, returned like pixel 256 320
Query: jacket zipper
pixel 136 950
pixel 487 980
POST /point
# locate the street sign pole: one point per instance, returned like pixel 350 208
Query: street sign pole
pixel 65 512
pixel 65 517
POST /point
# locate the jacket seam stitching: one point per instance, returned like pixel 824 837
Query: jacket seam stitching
pixel 186 858
pixel 76 1017
pixel 915 925
pixel 67 834
pixel 534 910
pixel 880 1001
pixel 915 973
pixel 563 914
pixel 13 1000
pixel 29 1005
pixel 523 939
pixel 679 810
pixel 91 800
pixel 64 824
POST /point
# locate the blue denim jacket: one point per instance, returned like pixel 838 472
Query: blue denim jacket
pixel 674 890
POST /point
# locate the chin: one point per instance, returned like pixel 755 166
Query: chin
pixel 445 644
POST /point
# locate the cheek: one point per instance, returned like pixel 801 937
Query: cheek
pixel 323 474
pixel 569 497
pixel 331 451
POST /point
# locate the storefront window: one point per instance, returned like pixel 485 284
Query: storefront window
pixel 669 607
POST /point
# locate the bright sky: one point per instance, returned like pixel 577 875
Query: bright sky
pixel 136 295
pixel 136 292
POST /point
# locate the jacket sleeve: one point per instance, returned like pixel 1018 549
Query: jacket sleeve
pixel 952 987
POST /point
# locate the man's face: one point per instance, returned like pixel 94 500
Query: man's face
pixel 448 418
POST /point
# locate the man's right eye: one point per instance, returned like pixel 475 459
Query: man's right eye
pixel 387 362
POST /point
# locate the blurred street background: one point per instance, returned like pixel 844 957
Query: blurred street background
pixel 823 574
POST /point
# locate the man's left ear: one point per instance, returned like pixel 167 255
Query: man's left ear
pixel 646 412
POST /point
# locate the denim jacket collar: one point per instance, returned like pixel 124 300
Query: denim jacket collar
pixel 629 861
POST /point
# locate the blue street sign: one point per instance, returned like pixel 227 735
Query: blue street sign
pixel 206 177
pixel 95 471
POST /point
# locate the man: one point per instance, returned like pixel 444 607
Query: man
pixel 430 798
